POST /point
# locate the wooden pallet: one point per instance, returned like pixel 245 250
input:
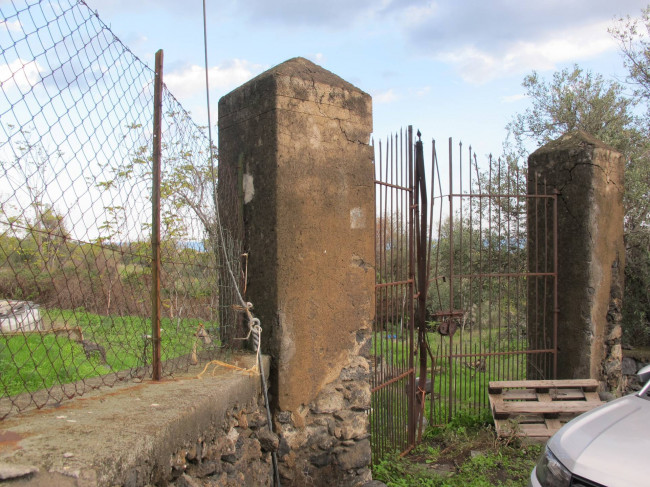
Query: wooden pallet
pixel 538 408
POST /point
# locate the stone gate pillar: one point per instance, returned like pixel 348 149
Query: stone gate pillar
pixel 298 137
pixel 589 178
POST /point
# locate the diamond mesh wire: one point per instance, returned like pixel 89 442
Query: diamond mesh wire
pixel 76 119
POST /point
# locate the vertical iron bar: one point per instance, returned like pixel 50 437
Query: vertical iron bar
pixel 519 279
pixel 396 172
pixel 461 371
pixel 536 358
pixel 556 308
pixel 499 249
pixel 411 377
pixel 471 234
pixel 378 423
pixel 451 275
pixel 398 179
pixel 490 369
pixel 393 239
pixel 545 281
pixel 433 186
pixel 480 267
pixel 155 224
pixel 472 389
pixel 509 270
pixel 422 207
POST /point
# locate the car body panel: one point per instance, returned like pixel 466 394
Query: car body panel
pixel 608 445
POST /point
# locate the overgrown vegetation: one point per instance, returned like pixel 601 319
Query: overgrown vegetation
pixel 108 273
pixel 464 453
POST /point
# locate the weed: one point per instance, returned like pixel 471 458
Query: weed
pixel 464 453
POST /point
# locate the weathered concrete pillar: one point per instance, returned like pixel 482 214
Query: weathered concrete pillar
pixel 589 178
pixel 299 136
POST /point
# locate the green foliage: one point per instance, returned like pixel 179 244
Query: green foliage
pixel 632 35
pixel 187 182
pixel 576 99
pixel 470 419
pixel 463 453
pixel 468 377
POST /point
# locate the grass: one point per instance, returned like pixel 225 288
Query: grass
pixel 465 379
pixel 461 380
pixel 465 452
pixel 33 361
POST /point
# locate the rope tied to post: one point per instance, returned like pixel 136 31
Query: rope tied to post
pixel 254 326
pixel 254 330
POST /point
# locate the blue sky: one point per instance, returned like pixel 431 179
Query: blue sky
pixel 450 68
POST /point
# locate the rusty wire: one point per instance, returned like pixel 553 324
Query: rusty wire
pixel 76 108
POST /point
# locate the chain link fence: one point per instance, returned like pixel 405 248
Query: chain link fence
pixel 76 130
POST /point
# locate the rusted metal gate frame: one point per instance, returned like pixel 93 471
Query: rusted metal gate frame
pixel 550 196
pixel 393 411
pixel 389 434
pixel 394 388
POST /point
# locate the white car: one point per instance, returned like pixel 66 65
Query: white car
pixel 605 447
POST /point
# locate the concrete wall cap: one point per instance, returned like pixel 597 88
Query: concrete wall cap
pixel 299 67
pixel 573 139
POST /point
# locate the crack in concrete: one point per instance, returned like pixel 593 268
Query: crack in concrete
pixel 340 121
pixel 570 181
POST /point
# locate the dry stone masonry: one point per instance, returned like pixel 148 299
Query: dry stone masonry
pixel 238 454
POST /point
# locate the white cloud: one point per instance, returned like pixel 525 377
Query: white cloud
pixel 385 96
pixel 513 98
pixel 335 14
pixel 477 65
pixel 191 79
pixel 414 14
pixel 486 40
pixel 14 26
pixel 318 58
pixel 20 73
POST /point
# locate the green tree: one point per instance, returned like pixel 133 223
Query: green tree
pixel 575 99
pixel 633 37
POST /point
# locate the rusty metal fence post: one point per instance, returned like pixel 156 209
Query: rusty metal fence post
pixel 421 219
pixel 155 219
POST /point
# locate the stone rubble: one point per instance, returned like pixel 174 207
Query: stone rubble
pixel 238 455
pixel 327 442
pixel 630 367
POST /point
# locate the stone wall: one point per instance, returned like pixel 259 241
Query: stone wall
pixel 588 176
pixel 633 361
pixel 327 442
pixel 236 453
pixel 188 431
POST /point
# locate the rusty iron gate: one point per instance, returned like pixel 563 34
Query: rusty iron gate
pixel 392 361
pixel 466 286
